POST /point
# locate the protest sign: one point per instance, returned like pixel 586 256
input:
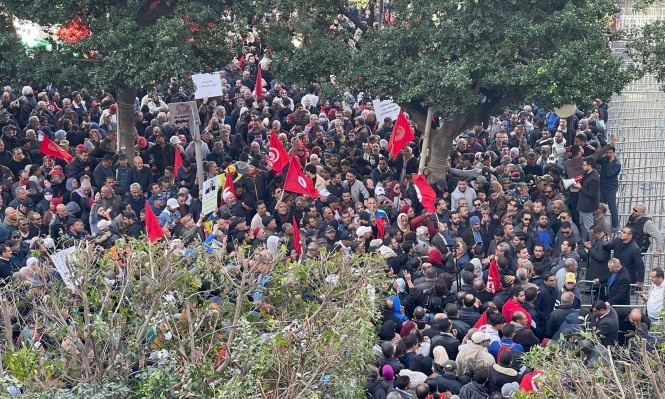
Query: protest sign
pixel 385 108
pixel 210 191
pixel 207 85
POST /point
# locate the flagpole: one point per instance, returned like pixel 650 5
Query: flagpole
pixel 424 151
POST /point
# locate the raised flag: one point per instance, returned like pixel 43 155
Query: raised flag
pixel 152 226
pixel 297 182
pixel 482 320
pixel 297 245
pixel 177 162
pixel 380 227
pixel 258 88
pixel 425 192
pixel 400 136
pixel 48 147
pixel 229 187
pixel 278 158
pixel 493 280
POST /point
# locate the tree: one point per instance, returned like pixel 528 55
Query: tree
pixel 130 44
pixel 647 48
pixel 207 325
pixel 464 60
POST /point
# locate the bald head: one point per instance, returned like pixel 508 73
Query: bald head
pixel 635 316
pixel 567 298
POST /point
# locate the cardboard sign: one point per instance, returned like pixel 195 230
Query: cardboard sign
pixel 385 108
pixel 60 260
pixel 184 114
pixel 207 85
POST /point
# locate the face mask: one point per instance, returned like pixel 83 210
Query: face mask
pixel 48 197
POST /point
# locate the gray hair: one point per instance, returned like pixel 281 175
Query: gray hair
pixel 569 262
pixel 503 246
pixel 134 186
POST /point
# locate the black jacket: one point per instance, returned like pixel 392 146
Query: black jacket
pixel 444 383
pixel 618 293
pixel 607 328
pixel 589 198
pixel 500 375
pixel 449 343
pixel 556 319
pixel 630 257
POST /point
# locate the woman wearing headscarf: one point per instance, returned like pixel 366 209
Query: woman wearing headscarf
pixel 402 223
pixel 47 165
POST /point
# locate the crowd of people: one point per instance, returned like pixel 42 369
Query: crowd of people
pixel 530 194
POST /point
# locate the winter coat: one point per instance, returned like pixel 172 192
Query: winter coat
pixel 557 318
pixel 500 375
pixel 474 390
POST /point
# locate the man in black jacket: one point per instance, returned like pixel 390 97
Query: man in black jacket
pixel 557 317
pixel 628 254
pixel 445 339
pixel 618 284
pixel 546 301
pixel 605 323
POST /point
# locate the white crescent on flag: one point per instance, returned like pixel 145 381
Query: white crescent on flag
pixel 399 133
pixel 273 155
pixel 302 182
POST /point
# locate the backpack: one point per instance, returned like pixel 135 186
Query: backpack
pixel 503 348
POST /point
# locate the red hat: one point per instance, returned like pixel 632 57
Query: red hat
pixel 142 142
pixel 56 201
pixel 56 172
pixel 113 107
pixel 80 147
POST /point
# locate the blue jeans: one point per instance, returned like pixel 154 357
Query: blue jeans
pixel 609 196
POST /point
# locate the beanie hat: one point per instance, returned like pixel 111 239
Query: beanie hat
pixel 387 373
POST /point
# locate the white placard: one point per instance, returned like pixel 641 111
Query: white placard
pixel 184 114
pixel 385 108
pixel 210 189
pixel 207 85
pixel 60 260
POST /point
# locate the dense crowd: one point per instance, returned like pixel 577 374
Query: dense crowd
pixel 529 195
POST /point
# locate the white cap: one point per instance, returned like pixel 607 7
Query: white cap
pixel 362 230
pixel 172 203
pixel 479 337
pixel 103 224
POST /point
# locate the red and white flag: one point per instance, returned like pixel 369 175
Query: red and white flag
pixel 493 279
pixel 401 135
pixel 258 87
pixel 278 158
pixel 152 226
pixel 425 192
pixel 48 147
pixel 297 182
pixel 229 187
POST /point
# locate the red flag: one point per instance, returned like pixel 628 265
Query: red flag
pixel 278 157
pixel 177 162
pixel 482 320
pixel 425 192
pixel 400 136
pixel 48 147
pixel 259 83
pixel 297 182
pixel 297 245
pixel 380 227
pixel 493 282
pixel 229 187
pixel 152 226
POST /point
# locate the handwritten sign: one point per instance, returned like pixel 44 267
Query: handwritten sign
pixel 385 108
pixel 184 114
pixel 207 85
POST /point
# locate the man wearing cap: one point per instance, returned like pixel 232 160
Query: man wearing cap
pixel 171 215
pixel 9 137
pixel 475 354
pixel 473 236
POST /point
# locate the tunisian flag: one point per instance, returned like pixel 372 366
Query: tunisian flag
pixel 278 157
pixel 493 281
pixel 400 136
pixel 297 245
pixel 425 192
pixel 229 187
pixel 48 147
pixel 177 162
pixel 152 226
pixel 297 182
pixel 258 87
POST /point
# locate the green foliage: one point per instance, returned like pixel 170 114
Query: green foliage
pixel 154 333
pixel 647 48
pixel 130 45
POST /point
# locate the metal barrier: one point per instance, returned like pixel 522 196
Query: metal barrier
pixel 594 292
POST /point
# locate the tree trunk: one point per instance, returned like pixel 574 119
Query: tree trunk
pixel 440 144
pixel 126 128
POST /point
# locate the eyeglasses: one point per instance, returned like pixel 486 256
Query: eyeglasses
pixel 635 210
pixel 527 219
pixel 24 225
